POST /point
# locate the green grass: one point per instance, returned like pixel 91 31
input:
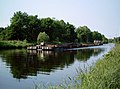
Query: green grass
pixel 13 44
pixel 105 74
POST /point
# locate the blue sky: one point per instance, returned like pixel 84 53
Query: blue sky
pixel 98 15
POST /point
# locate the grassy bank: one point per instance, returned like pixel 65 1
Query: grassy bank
pixel 13 44
pixel 105 74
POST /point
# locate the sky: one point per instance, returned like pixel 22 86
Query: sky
pixel 98 15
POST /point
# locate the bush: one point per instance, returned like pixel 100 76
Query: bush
pixel 42 37
pixel 13 44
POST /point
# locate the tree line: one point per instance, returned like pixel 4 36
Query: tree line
pixel 114 40
pixel 28 27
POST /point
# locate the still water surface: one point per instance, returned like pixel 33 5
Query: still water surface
pixel 23 69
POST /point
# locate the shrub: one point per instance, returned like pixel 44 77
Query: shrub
pixel 42 37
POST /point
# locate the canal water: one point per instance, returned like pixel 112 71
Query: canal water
pixel 23 69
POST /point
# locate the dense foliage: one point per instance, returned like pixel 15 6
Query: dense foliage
pixel 24 26
pixel 84 34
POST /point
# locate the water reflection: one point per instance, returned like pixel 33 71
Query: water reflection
pixel 24 63
pixel 85 54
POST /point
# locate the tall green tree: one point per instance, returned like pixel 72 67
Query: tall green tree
pixel 18 25
pixel 47 25
pixel 96 35
pixel 83 34
pixel 23 27
pixel 33 28
pixel 70 35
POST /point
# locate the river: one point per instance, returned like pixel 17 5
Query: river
pixel 23 69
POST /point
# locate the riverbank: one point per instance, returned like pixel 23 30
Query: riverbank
pixel 105 74
pixel 13 44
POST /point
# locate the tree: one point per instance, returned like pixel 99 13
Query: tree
pixel 42 37
pixel 47 26
pixel 83 34
pixel 1 29
pixel 116 39
pixel 1 33
pixel 70 35
pixel 18 25
pixel 104 39
pixel 96 35
pixel 23 27
pixel 33 28
pixel 62 31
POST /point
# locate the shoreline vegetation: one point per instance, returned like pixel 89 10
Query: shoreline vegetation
pixel 17 44
pixel 105 74
pixel 25 30
pixel 13 44
pixel 33 29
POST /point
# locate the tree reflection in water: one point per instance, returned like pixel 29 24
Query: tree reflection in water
pixel 85 54
pixel 24 63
